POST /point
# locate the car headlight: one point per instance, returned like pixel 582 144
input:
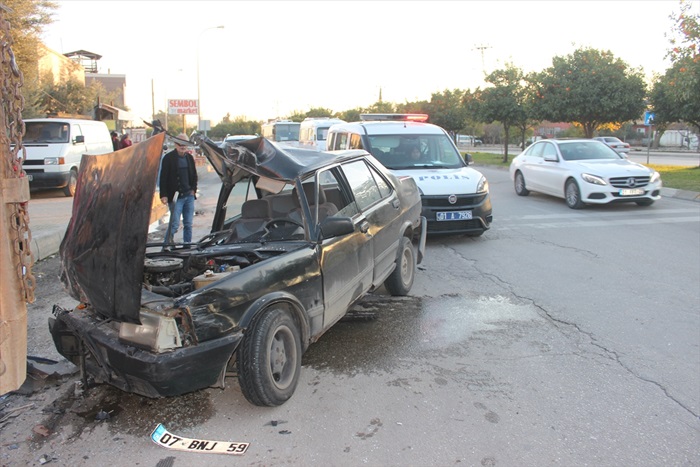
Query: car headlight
pixel 482 186
pixel 157 332
pixel 594 179
pixel 54 161
pixel 655 177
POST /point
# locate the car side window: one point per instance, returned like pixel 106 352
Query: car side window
pixel 336 193
pixel 549 150
pixel 536 150
pixel 355 141
pixel 363 184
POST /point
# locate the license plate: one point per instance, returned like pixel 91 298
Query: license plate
pixel 164 438
pixel 453 216
pixel 631 192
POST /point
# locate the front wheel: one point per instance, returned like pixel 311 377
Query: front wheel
pixel 269 358
pixel 69 189
pixel 572 194
pixel 401 279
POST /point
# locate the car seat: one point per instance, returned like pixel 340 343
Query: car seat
pixel 325 208
pixel 254 214
pixel 282 204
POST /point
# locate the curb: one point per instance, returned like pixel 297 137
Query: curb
pixel 680 194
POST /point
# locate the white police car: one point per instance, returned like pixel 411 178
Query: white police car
pixel 455 197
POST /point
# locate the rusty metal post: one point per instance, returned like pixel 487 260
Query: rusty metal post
pixel 16 277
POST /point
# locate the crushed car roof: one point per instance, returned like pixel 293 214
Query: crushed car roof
pixel 262 157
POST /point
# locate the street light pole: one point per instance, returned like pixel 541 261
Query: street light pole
pixel 199 101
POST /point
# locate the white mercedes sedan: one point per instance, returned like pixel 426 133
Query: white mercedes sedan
pixel 583 171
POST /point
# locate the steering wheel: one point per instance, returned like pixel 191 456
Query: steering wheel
pixel 214 238
pixel 275 224
pixel 278 222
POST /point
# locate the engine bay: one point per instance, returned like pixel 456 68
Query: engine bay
pixel 181 271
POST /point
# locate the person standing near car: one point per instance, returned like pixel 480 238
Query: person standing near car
pixel 115 140
pixel 178 177
pixel 125 142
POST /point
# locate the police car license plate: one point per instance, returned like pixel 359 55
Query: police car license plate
pixel 631 191
pixel 453 216
pixel 164 438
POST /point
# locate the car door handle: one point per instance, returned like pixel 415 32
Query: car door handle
pixel 364 227
pixel 396 203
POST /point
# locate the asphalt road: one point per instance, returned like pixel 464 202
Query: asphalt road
pixel 559 337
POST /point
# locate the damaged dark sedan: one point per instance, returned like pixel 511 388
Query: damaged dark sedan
pixel 297 238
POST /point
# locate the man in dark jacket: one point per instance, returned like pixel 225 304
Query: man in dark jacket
pixel 178 177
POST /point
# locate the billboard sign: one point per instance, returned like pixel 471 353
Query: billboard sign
pixel 182 107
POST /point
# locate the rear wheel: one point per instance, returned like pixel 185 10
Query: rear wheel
pixel 269 358
pixel 69 189
pixel 401 279
pixel 519 184
pixel 572 194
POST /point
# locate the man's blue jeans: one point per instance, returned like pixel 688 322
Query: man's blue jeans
pixel 184 206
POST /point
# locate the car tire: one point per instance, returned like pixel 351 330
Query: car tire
pixel 519 185
pixel 69 190
pixel 269 358
pixel 400 281
pixel 572 195
pixel 645 202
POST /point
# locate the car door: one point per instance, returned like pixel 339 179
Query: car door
pixel 551 173
pixel 531 166
pixel 380 207
pixel 346 261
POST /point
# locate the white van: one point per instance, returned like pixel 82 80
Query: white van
pixel 54 147
pixel 313 132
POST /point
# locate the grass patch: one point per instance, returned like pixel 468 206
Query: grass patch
pixel 679 177
pixel 673 176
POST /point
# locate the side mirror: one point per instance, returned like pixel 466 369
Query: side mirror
pixel 551 158
pixel 336 226
pixel 79 139
pixel 468 158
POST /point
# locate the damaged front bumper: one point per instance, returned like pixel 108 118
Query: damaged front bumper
pixel 95 347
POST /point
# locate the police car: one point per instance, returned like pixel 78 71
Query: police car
pixel 455 197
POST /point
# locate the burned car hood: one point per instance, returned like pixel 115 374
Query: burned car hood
pixel 261 157
pixel 103 251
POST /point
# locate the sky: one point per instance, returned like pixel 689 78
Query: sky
pixel 273 58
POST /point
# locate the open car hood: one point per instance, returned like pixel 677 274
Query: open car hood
pixel 103 251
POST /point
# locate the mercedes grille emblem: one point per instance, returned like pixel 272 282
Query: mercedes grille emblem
pixel 631 182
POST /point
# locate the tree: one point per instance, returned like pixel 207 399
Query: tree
pixel 681 82
pixel 27 19
pixel 589 87
pixel 319 112
pixel 446 110
pixel 351 115
pixel 69 96
pixel 504 102
pixel 238 126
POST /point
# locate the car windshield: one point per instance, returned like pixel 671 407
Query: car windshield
pixel 415 151
pixel 586 150
pixel 46 132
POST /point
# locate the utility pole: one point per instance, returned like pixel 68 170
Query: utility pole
pixel 481 49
